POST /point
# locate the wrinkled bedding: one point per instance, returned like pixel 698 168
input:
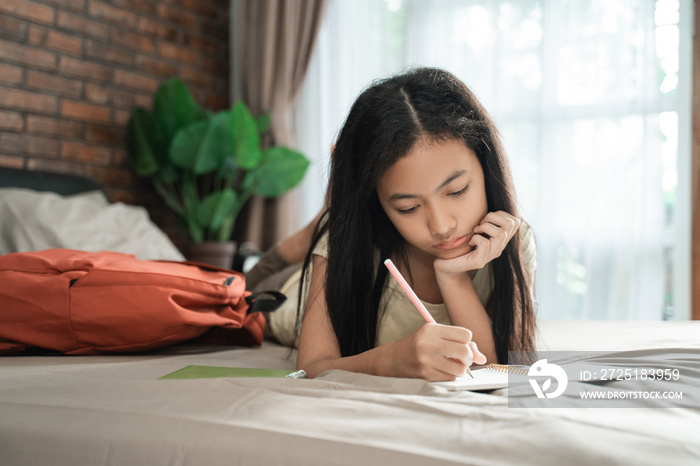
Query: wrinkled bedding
pixel 103 410
pixel 33 221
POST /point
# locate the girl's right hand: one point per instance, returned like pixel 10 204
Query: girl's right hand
pixel 490 238
pixel 436 352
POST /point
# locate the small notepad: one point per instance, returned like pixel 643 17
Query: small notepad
pixel 491 377
pixel 210 372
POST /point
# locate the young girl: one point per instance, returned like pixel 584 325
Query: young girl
pixel 418 175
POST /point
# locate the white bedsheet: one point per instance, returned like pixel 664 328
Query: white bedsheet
pixel 113 410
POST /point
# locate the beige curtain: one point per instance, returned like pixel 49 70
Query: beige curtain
pixel 272 45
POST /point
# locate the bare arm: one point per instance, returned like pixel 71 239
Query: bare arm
pixel 434 352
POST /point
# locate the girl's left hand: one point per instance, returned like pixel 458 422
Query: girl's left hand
pixel 490 238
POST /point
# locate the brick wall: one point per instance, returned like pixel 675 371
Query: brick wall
pixel 71 71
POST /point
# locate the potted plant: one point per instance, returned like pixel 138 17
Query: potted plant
pixel 206 165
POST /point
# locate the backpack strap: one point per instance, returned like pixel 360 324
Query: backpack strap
pixel 255 304
pixel 265 305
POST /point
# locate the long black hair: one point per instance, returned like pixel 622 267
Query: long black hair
pixel 384 123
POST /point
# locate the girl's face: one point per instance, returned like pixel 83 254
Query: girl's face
pixel 435 196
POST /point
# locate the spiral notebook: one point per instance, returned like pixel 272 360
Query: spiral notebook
pixel 490 377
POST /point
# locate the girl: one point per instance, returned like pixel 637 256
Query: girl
pixel 418 175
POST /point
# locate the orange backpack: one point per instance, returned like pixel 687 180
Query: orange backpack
pixel 79 302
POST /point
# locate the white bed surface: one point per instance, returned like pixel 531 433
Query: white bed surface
pixel 594 335
pixel 103 410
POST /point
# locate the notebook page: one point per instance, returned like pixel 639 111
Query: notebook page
pixel 484 379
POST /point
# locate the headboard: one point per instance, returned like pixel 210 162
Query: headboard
pixel 60 183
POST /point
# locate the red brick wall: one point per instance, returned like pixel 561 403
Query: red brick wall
pixel 71 71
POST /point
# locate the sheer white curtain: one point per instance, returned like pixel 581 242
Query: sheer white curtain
pixel 592 98
pixel 356 44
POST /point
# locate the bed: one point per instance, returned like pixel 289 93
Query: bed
pixel 115 409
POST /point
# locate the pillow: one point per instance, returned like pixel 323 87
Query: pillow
pixel 33 221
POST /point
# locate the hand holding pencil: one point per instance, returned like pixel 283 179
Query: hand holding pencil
pixel 419 305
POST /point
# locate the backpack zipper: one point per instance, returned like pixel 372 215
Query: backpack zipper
pixel 229 280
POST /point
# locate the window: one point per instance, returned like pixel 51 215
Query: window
pixel 593 101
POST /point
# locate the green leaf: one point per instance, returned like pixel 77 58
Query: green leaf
pixel 215 208
pixel 245 140
pixel 191 208
pixel 228 171
pixel 174 108
pixel 169 174
pixel 224 232
pixel 280 170
pixel 263 123
pixel 216 146
pixel 200 147
pixel 141 154
pixel 186 144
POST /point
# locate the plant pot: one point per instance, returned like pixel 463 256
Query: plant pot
pixel 216 253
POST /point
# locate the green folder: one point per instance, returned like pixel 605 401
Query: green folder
pixel 210 372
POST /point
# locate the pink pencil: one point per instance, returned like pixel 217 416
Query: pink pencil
pixel 413 297
pixel 409 291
